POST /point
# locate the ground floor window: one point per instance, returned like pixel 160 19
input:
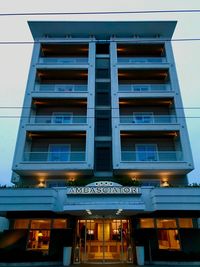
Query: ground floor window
pixel 168 239
pixel 38 239
pixel 39 231
pixel 167 230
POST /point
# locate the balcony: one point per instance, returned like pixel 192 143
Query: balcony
pixel 138 88
pixel 151 156
pixel 151 146
pixel 141 60
pixel 143 80
pixel 58 111
pixel 142 118
pixel 75 54
pixel 63 60
pixel 53 153
pixel 141 54
pixel 147 111
pixel 59 119
pixel 146 152
pixel 55 147
pixel 61 88
pixel 48 156
pixel 61 81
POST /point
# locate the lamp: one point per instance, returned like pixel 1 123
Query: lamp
pixel 40 234
pixel 165 183
pixel 41 184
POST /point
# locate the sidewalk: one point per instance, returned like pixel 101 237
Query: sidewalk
pixel 96 265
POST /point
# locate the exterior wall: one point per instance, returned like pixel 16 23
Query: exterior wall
pixel 58 199
pixel 27 199
pixel 179 125
pixel 30 93
pixel 149 200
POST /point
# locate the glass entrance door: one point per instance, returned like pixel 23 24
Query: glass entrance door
pixel 103 240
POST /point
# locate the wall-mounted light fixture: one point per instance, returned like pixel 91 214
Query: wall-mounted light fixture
pixel 165 183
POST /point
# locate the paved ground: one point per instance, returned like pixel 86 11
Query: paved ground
pixel 100 265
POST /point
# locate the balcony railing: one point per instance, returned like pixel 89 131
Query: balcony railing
pixel 61 88
pixel 58 119
pixel 63 60
pixel 148 156
pixel 46 156
pixel 151 60
pixel 155 119
pixel 144 88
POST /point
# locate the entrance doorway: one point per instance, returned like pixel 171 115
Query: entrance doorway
pixel 104 240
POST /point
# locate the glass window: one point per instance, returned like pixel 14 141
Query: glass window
pixel 21 224
pixel 143 117
pixel 59 152
pixel 166 223
pixel 185 223
pixel 38 240
pixel 168 239
pixel 59 223
pixel 40 224
pixel 146 152
pixel 62 117
pixel 147 223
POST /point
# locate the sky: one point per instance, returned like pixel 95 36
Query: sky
pixel 15 59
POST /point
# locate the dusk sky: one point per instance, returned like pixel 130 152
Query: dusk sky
pixel 15 58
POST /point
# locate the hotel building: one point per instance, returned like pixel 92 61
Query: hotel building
pixel 102 153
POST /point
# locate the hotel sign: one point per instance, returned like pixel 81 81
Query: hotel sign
pixel 104 190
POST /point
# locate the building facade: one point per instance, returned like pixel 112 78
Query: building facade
pixel 102 138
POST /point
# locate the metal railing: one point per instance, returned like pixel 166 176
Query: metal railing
pixel 46 156
pixel 63 60
pixel 61 88
pixel 149 156
pixel 154 119
pixel 144 88
pixel 58 119
pixel 130 60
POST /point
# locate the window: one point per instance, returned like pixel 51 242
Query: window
pixel 39 231
pixel 59 152
pixel 21 224
pixel 185 223
pixel 62 118
pixel 38 239
pixel 146 152
pixel 147 223
pixel 168 239
pixel 59 223
pixel 167 230
pixel 166 223
pixel 143 117
pixel 40 224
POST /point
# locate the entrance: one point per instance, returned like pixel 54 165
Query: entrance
pixel 104 240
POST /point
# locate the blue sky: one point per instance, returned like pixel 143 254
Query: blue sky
pixel 15 59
